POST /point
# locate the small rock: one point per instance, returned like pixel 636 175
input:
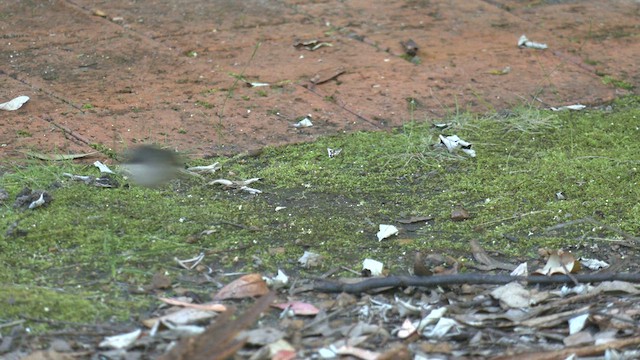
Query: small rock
pixel 160 281
pixel 4 195
pixel 460 214
pixel 60 345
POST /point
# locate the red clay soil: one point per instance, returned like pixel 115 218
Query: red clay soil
pixel 122 72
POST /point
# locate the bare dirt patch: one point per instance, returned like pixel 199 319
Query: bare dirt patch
pixel 117 73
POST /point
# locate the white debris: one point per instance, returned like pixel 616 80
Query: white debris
pixel 241 185
pixel 577 323
pixel 374 266
pixel 442 328
pixel 38 202
pixel 521 270
pixel 453 142
pixel 87 179
pixel 278 281
pixel 103 168
pixel 306 122
pixel 224 182
pixel 206 169
pixel 250 190
pixel 121 341
pixel 310 259
pixel 594 264
pixel 525 42
pixel 333 152
pixel 576 107
pixel 385 231
pixel 14 104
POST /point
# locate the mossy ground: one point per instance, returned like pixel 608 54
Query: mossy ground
pixel 79 258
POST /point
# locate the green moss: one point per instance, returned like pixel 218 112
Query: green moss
pixel 97 239
pixel 23 133
pixel 205 104
pixel 44 307
pixel 607 79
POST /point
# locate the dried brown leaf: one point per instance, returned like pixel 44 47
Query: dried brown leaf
pixel 219 341
pixel 250 285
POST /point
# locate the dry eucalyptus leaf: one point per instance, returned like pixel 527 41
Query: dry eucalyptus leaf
pixel 560 262
pixel 251 285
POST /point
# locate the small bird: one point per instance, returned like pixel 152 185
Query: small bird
pixel 151 166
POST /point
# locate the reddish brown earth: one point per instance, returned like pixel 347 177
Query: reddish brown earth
pixel 161 71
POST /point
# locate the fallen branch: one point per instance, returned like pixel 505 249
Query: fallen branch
pixel 585 351
pixel 343 107
pixel 459 279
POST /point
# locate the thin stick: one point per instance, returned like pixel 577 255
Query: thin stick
pixel 513 217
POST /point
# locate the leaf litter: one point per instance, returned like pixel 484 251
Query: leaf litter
pixel 443 314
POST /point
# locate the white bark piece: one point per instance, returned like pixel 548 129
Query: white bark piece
pixel 306 122
pixel 526 43
pixel 103 168
pixel 386 231
pixel 121 341
pixel 14 104
pixel 374 266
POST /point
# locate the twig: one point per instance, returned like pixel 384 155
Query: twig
pixel 13 323
pixel 459 279
pixel 66 130
pixel 343 107
pixel 573 351
pixel 593 221
pixel 513 217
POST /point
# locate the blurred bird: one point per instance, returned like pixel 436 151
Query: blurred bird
pixel 151 166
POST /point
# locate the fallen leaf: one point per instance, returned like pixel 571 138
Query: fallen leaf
pixel 420 265
pixel 415 219
pixel 298 307
pixel 442 328
pixel 44 355
pixel 250 285
pixel 488 263
pixel 207 306
pixel 360 353
pixel 407 329
pixel 220 340
pixel 121 341
pixel 512 295
pixel 262 336
pixel 560 262
pixel 57 157
pixel 182 316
